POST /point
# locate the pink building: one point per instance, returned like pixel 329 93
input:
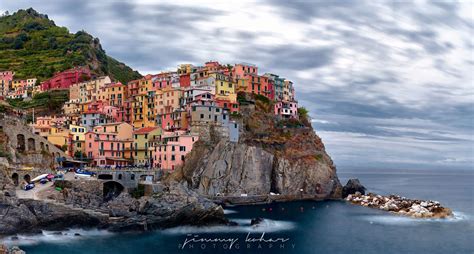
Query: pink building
pixel 107 149
pixel 170 151
pixel 286 109
pixel 6 78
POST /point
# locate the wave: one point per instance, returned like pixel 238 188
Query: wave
pixel 229 211
pixel 398 220
pixel 244 226
pixel 56 237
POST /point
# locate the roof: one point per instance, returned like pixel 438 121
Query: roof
pixel 145 130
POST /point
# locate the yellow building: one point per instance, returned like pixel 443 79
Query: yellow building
pixel 225 87
pixel 60 137
pixel 78 137
pixel 141 139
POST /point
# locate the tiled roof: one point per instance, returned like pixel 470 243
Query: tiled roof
pixel 145 130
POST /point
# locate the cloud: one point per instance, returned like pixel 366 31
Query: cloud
pixel 388 84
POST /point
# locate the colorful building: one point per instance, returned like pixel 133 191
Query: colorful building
pixel 64 80
pixel 169 152
pixel 141 138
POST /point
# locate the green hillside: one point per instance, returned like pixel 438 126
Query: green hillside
pixel 33 46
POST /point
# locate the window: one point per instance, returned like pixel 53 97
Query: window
pixel 172 148
pixel 182 157
pixel 172 157
pixel 202 116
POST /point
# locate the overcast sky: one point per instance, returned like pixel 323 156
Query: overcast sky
pixel 388 85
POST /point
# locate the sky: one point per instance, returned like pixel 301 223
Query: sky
pixel 389 84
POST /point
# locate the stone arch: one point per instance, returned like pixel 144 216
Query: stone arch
pixel 120 176
pixel 105 177
pixel 27 178
pixel 42 146
pixel 15 179
pixel 20 143
pixel 31 144
pixel 111 190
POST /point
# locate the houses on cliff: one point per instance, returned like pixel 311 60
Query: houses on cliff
pixel 153 121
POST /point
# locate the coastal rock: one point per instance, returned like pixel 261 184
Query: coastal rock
pixel 352 186
pixel 16 250
pixel 401 205
pixel 270 157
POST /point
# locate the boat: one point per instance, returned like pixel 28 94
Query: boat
pixel 84 173
pixel 29 186
pixel 39 177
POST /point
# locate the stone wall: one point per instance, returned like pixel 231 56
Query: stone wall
pixel 25 147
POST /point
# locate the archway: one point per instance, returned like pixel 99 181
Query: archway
pixel 15 179
pixel 105 177
pixel 111 190
pixel 47 147
pixel 42 146
pixel 20 143
pixel 27 178
pixel 31 144
pixel 120 176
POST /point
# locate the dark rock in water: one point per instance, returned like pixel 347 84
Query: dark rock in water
pixel 256 221
pixel 77 234
pixel 14 238
pixel 57 233
pixel 232 223
pixel 353 186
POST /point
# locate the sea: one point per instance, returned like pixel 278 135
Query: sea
pixel 304 227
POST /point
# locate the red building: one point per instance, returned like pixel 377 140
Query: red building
pixel 185 80
pixel 63 80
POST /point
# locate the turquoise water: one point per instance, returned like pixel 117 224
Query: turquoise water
pixel 307 227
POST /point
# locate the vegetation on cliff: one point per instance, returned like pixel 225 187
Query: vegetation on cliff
pixel 49 101
pixel 33 46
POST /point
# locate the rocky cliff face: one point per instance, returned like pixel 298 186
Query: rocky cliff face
pixel 82 205
pixel 272 155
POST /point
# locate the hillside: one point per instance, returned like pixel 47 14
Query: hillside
pixel 33 46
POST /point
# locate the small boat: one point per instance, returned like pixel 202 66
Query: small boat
pixel 82 175
pixel 44 181
pixel 50 177
pixel 39 177
pixel 29 186
pixel 84 172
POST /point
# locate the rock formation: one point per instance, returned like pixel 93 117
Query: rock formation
pixel 273 155
pixel 401 205
pixel 352 186
pixel 81 205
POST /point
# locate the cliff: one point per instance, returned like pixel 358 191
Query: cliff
pixel 285 157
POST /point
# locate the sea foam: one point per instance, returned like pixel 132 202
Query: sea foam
pixel 244 226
